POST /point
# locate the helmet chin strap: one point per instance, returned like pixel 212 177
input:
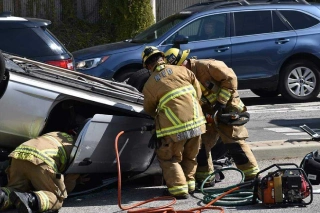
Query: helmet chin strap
pixel 160 65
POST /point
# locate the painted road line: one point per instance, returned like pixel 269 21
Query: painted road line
pixel 297 134
pixel 284 129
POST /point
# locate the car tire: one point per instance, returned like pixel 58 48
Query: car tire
pixel 2 66
pixel 300 81
pixel 122 76
pixel 139 78
pixel 265 92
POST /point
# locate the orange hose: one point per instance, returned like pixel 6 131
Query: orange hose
pixel 165 208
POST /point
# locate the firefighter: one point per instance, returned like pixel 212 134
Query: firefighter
pixel 171 96
pixel 219 87
pixel 35 179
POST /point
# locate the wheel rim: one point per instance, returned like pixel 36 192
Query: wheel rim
pixel 301 81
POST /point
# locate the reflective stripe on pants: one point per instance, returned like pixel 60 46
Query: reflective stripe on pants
pixel 178 162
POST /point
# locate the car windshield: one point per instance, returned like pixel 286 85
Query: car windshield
pixel 159 28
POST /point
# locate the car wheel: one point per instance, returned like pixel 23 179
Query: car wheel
pixel 139 78
pixel 2 66
pixel 124 75
pixel 300 81
pixel 265 92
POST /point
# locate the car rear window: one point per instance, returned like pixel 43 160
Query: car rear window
pixel 299 20
pixel 29 42
pixel 252 22
pixel 278 24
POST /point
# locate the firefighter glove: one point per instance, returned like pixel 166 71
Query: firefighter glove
pixel 209 118
pixel 219 107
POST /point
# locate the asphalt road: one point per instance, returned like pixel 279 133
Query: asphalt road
pixel 276 119
pixel 133 192
pixel 139 190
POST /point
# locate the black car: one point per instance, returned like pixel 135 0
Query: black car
pixel 30 38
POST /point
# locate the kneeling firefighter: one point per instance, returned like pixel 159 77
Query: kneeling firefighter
pixel 219 91
pixel 35 179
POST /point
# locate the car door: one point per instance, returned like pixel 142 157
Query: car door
pixel 94 150
pixel 260 43
pixel 24 106
pixel 216 46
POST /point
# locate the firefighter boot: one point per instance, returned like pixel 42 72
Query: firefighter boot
pixel 24 202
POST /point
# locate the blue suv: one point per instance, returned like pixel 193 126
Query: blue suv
pixel 273 47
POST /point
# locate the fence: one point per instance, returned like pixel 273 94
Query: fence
pixel 85 9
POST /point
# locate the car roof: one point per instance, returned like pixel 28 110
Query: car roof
pixel 7 21
pixel 219 5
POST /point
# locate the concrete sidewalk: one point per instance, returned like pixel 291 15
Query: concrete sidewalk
pixel 282 149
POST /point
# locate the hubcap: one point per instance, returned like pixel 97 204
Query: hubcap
pixel 301 81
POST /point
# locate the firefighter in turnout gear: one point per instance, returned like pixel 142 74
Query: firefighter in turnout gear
pixel 219 88
pixel 171 96
pixel 35 179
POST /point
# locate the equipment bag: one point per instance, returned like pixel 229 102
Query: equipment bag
pixel 311 165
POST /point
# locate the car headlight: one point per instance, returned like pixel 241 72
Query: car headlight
pixel 90 63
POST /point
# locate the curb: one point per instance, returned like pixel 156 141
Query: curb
pixel 282 149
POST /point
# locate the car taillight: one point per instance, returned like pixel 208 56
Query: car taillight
pixel 66 63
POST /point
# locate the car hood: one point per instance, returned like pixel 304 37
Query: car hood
pixel 105 49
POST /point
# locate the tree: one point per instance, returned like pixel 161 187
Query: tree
pixel 125 18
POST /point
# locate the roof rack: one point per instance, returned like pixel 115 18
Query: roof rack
pixel 221 3
pixel 286 1
pixel 5 14
pixel 231 3
pixel 279 1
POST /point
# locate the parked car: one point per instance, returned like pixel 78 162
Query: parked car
pixel 30 38
pixel 37 98
pixel 273 46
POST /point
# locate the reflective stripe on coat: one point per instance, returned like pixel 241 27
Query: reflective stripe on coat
pixel 52 149
pixel 220 82
pixel 172 96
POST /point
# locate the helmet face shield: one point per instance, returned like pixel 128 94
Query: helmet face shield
pixel 148 52
pixel 176 56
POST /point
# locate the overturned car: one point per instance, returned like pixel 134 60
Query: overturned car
pixel 37 98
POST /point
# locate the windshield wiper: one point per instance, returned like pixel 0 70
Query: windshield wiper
pixel 136 41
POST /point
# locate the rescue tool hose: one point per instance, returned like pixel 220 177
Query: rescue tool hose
pixel 165 208
pixel 243 196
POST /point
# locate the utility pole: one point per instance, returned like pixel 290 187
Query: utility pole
pixel 153 5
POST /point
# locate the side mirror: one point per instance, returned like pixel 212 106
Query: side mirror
pixel 180 39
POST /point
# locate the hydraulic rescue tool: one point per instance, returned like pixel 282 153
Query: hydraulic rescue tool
pixel 283 187
pixel 233 118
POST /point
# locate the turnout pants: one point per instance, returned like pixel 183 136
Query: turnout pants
pixel 234 139
pixel 204 158
pixel 178 163
pixel 24 176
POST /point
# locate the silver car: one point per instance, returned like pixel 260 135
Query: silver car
pixel 37 98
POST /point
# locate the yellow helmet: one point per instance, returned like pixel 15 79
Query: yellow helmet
pixel 175 56
pixel 149 51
